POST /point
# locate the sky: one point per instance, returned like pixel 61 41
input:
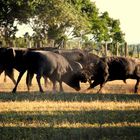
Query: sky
pixel 128 12
pixel 22 29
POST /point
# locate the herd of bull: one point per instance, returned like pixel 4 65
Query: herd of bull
pixel 68 66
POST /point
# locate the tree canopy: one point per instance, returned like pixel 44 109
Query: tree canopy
pixel 57 19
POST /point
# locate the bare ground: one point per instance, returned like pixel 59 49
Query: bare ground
pixel 117 86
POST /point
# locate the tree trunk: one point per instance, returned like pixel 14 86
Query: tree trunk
pixel 132 52
pixel 29 44
pixel 138 51
pixel 117 49
pixel 38 44
pixel 106 49
pixel 51 43
pixel 126 49
pixel 14 43
pixel 122 50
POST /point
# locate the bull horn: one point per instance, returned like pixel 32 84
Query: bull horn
pixel 80 65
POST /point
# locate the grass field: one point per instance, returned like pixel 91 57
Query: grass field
pixel 112 115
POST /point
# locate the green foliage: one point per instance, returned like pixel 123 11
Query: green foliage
pixel 11 11
pixel 117 34
pixel 54 19
pixel 20 42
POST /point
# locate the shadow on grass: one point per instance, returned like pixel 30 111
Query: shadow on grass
pixel 37 96
pixel 71 117
pixel 110 133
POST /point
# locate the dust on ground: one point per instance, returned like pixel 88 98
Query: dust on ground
pixel 117 86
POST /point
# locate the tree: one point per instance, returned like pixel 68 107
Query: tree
pixel 106 29
pixel 11 11
pixel 56 17
pixel 116 34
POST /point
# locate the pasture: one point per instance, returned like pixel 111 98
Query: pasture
pixel 112 115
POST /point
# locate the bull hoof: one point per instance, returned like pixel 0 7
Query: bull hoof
pixel 28 89
pixel 99 92
pixel 14 91
pixel 41 91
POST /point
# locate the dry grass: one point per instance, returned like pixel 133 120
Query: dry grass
pixel 50 106
pixel 117 86
pixel 115 114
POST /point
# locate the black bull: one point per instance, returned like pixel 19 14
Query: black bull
pixel 46 64
pixel 72 55
pixel 6 57
pixel 112 68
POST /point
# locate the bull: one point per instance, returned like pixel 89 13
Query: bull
pixel 113 68
pixel 78 55
pixel 6 56
pixel 6 60
pixel 47 64
pixel 72 55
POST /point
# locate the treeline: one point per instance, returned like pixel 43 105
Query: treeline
pixel 57 23
pixel 134 50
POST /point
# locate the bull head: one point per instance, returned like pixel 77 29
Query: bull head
pixel 75 79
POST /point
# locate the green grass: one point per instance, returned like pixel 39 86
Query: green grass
pixel 69 116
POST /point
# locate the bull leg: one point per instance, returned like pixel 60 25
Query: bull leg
pixel 45 81
pixel 29 78
pixel 1 70
pixel 96 83
pixel 18 80
pixel 124 81
pixel 54 86
pixel 101 86
pixel 11 76
pixel 4 77
pixel 13 80
pixel 136 86
pixel 38 77
pixel 61 87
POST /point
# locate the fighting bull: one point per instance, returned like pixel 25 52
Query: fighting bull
pixel 112 68
pixel 74 56
pixel 6 57
pixel 47 64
